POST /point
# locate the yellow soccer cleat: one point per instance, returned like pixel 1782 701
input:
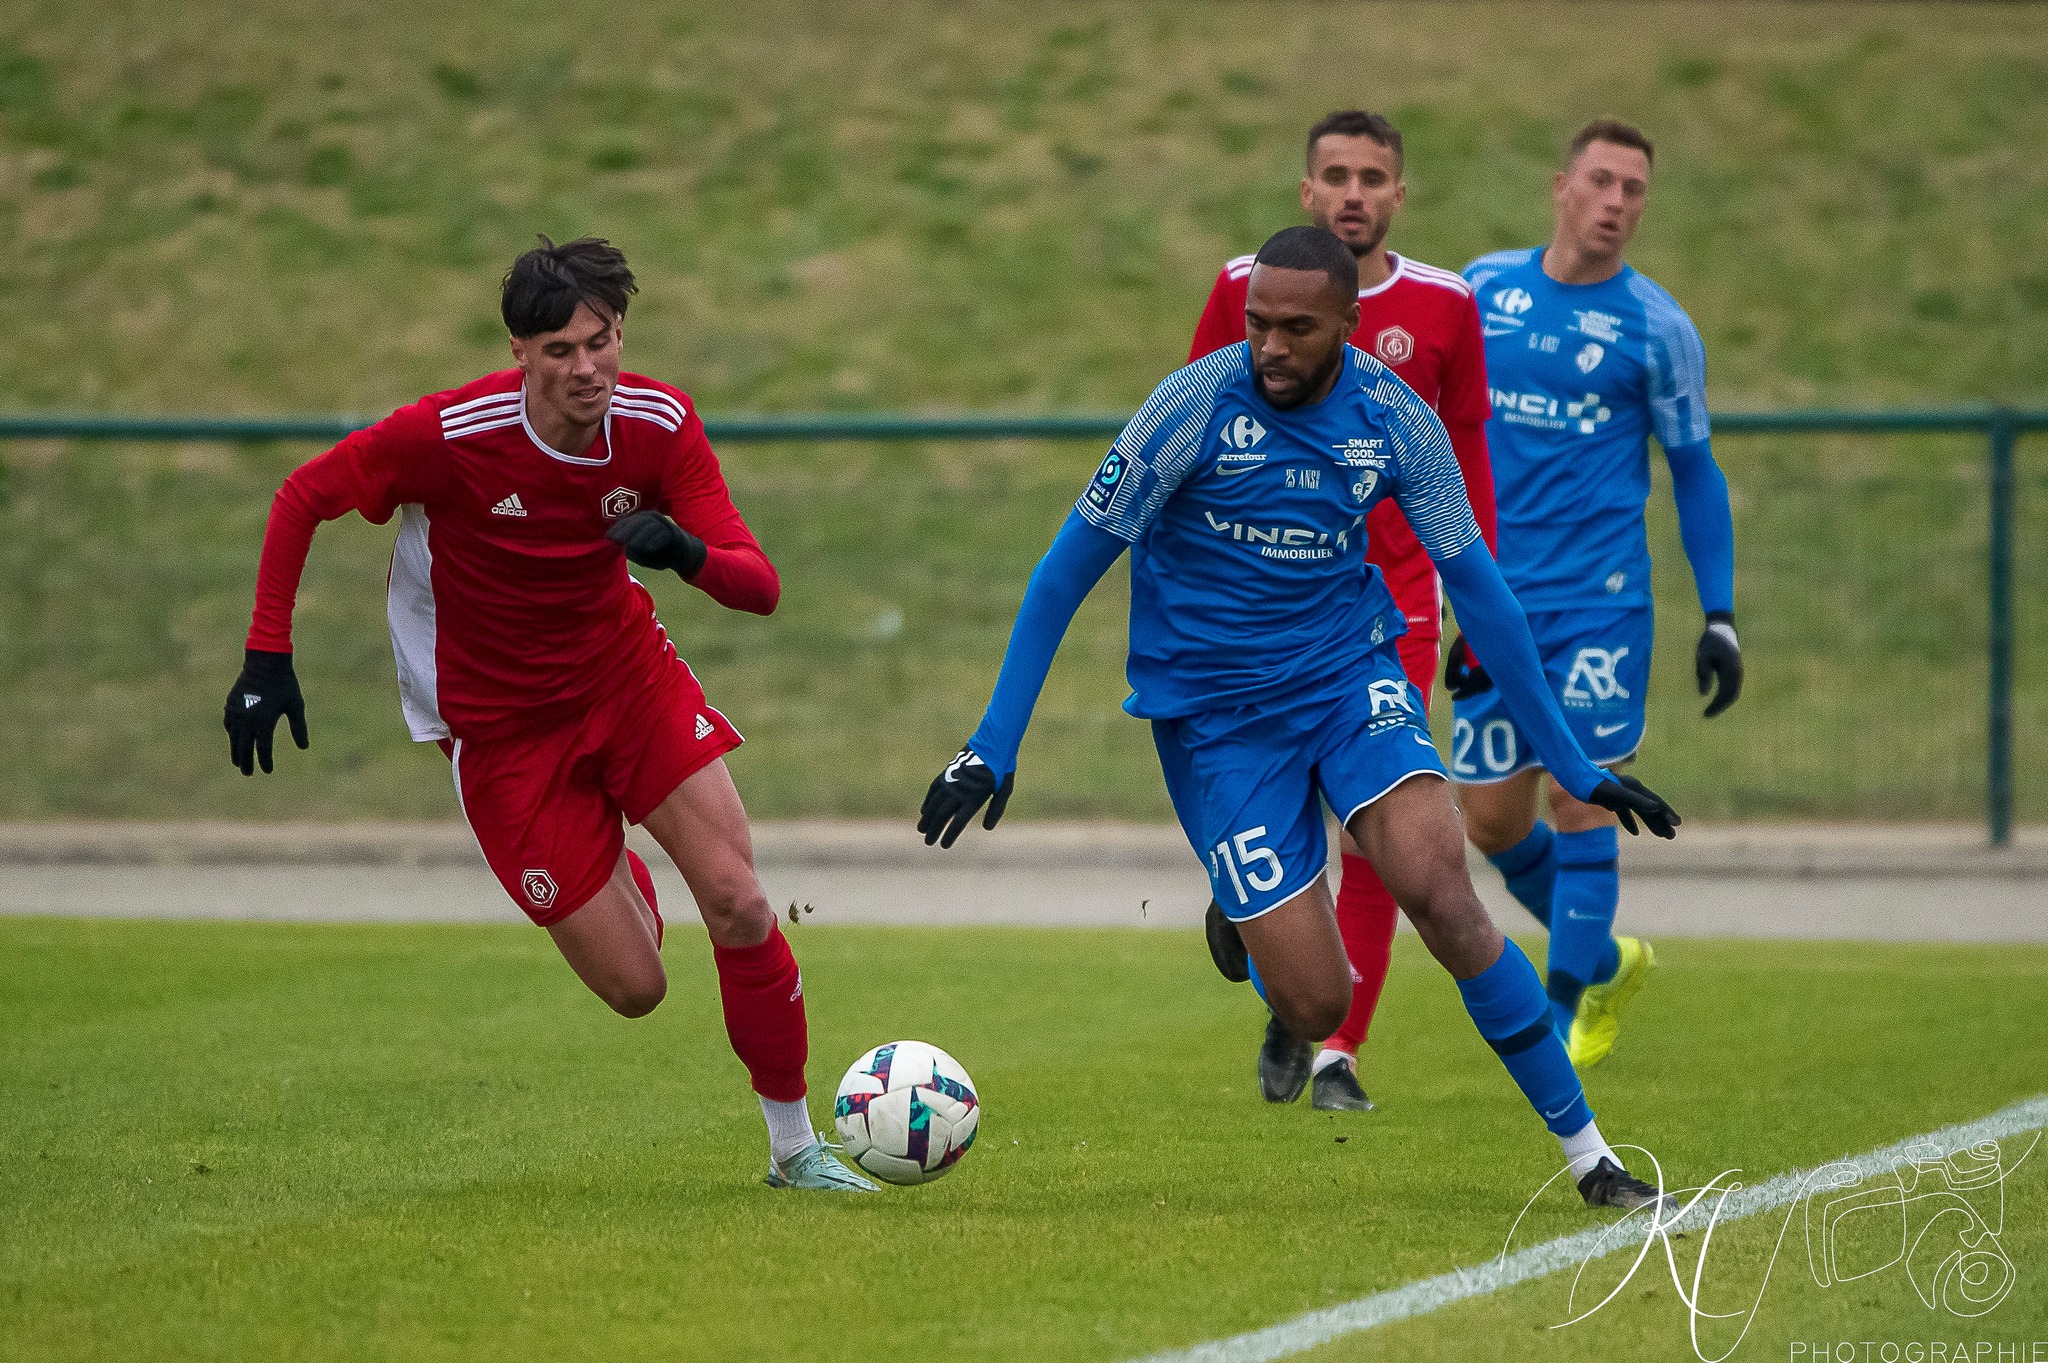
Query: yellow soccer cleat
pixel 1598 1019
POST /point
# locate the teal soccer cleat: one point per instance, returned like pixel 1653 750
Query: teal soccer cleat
pixel 815 1168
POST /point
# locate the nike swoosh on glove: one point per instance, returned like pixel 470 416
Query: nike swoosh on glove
pixel 957 792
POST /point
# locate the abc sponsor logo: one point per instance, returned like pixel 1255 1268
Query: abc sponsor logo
pixel 1592 676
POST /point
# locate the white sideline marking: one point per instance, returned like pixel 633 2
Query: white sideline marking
pixel 1420 1298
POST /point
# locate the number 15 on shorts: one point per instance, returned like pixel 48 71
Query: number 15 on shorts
pixel 1237 856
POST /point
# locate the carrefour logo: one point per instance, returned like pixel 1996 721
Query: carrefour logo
pixel 1512 301
pixel 1243 433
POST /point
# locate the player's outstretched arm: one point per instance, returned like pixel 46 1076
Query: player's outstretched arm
pixel 985 769
pixel 373 471
pixel 268 689
pixel 1706 527
pixel 1489 612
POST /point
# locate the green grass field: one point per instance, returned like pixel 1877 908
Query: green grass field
pixel 265 207
pixel 236 1141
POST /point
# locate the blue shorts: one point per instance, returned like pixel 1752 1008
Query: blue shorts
pixel 1598 666
pixel 1244 781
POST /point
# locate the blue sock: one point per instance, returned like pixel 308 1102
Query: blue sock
pixel 1258 981
pixel 1530 869
pixel 1506 1002
pixel 1582 921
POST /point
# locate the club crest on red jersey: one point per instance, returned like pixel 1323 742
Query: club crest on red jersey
pixel 539 887
pixel 1394 345
pixel 620 501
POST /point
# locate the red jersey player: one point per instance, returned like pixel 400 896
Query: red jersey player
pixel 526 647
pixel 1423 324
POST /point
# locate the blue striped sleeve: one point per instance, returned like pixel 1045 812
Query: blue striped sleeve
pixel 1428 485
pixel 1159 447
pixel 1677 361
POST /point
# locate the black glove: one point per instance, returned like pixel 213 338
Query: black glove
pixel 652 540
pixel 266 689
pixel 956 793
pixel 1463 676
pixel 1628 797
pixel 1718 662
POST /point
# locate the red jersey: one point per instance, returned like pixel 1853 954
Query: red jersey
pixel 508 606
pixel 1423 324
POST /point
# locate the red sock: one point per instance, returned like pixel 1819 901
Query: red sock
pixel 1365 916
pixel 644 878
pixel 763 996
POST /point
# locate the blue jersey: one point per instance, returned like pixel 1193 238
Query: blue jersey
pixel 1581 375
pixel 1247 529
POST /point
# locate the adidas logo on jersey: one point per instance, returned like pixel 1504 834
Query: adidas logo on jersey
pixel 509 507
pixel 704 728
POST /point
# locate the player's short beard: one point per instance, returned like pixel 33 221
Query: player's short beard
pixel 1311 385
pixel 1365 248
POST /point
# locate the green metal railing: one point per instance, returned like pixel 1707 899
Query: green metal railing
pixel 2001 428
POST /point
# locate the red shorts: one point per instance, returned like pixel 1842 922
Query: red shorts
pixel 546 807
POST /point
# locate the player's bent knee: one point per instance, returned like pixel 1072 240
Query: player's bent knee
pixel 739 915
pixel 637 997
pixel 1317 1018
pixel 1493 833
pixel 1314 1008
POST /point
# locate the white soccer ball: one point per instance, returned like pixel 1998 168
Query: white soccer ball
pixel 906 1112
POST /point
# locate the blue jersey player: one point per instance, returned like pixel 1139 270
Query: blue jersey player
pixel 1587 360
pixel 1262 651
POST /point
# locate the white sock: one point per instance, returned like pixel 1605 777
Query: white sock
pixel 1327 1057
pixel 1584 1149
pixel 789 1128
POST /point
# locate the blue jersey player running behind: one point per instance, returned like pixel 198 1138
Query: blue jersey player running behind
pixel 1262 651
pixel 1586 360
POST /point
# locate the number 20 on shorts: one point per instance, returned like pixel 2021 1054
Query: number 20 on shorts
pixel 1496 744
pixel 1236 856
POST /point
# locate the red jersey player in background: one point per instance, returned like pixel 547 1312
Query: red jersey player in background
pixel 528 650
pixel 1422 323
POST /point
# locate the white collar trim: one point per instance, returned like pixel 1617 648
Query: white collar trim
pixel 550 451
pixel 1393 277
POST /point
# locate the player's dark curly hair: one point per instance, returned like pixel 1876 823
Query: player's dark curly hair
pixel 1615 131
pixel 544 286
pixel 1312 248
pixel 1357 123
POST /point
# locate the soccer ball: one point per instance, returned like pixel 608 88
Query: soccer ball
pixel 906 1112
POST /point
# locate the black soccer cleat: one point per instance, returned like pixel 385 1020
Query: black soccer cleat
pixel 1607 1184
pixel 1283 1063
pixel 1336 1089
pixel 1226 948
